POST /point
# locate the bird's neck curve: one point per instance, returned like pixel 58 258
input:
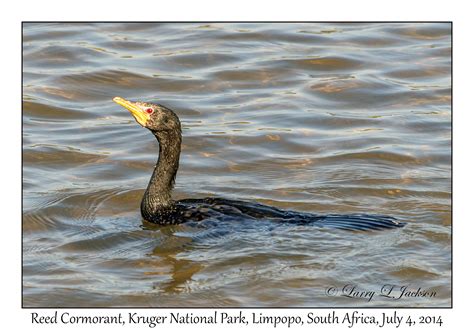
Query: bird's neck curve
pixel 157 197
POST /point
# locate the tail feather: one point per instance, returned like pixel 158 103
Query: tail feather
pixel 352 222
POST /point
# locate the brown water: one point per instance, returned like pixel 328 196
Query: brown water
pixel 323 118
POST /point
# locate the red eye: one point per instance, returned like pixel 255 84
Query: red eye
pixel 149 111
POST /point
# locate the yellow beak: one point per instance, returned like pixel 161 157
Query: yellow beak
pixel 140 116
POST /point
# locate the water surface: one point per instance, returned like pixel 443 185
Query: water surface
pixel 323 118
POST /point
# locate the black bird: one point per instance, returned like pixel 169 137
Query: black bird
pixel 158 207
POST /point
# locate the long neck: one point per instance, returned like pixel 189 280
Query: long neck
pixel 157 196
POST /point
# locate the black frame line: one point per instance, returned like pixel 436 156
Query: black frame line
pixel 234 307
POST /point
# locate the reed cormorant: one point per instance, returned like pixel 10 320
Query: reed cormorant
pixel 158 207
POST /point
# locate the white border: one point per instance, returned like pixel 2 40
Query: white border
pixel 201 10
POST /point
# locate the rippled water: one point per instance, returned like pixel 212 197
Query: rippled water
pixel 324 118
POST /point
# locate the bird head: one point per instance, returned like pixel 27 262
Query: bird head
pixel 155 117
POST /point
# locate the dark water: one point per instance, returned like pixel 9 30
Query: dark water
pixel 323 118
